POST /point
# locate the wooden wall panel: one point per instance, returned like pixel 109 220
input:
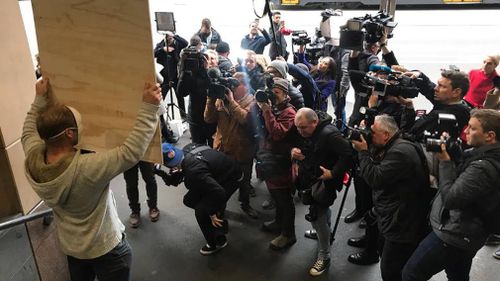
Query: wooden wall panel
pixel 9 202
pixel 98 55
pixel 17 75
pixel 27 195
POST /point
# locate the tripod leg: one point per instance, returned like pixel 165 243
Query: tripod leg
pixel 340 211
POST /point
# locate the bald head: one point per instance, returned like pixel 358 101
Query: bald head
pixel 306 121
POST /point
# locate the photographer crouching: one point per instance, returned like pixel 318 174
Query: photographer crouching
pixel 210 177
pixel 397 172
pixel 323 157
pixel 466 207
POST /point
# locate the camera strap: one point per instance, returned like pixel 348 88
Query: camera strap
pixel 196 152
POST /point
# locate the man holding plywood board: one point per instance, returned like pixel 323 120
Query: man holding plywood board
pixel 96 55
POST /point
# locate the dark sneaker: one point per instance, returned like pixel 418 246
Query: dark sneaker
pixel 496 254
pixel 282 242
pixel 319 267
pixel 251 212
pixel 154 214
pixel 134 220
pixel 210 250
pixel 493 239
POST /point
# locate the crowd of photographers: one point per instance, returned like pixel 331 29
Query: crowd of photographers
pixel 426 184
pixel 400 161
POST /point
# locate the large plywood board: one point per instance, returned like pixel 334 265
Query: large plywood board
pixel 98 55
pixel 17 75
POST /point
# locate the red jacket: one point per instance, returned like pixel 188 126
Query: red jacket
pixel 278 122
pixel 480 84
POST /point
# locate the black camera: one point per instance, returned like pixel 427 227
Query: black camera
pixel 219 82
pixel 445 123
pixel 267 93
pixel 194 60
pixel 355 133
pixel 368 28
pixel 496 81
pixel 393 85
pixel 173 178
pixel 300 37
pixel 264 95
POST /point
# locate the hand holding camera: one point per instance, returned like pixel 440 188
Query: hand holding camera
pixel 443 155
pixel 360 145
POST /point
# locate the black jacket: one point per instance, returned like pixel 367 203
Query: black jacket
pixel 170 60
pixel 279 45
pixel 210 176
pixel 399 182
pixel 429 122
pixel 196 86
pixel 327 148
pixel 467 198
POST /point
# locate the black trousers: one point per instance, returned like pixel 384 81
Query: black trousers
pixel 359 102
pixel 132 181
pixel 202 133
pixel 285 210
pixel 244 191
pixel 363 198
pixel 112 266
pixel 393 258
pixel 213 235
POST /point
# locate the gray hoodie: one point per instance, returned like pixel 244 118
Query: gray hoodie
pixel 77 186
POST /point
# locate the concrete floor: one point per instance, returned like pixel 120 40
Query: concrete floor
pixel 169 248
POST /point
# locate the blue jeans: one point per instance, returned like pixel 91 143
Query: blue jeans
pixel 113 266
pixel 322 227
pixel 432 256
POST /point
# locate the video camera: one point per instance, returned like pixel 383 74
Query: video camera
pixel 445 123
pixel 219 82
pixel 300 37
pixel 368 28
pixel 194 60
pixel 392 84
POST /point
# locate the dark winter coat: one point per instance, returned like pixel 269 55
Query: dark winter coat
pixel 327 148
pixel 208 176
pixel 467 196
pixel 399 183
pixel 170 60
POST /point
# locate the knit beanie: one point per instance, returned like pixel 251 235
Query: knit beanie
pixel 280 66
pixel 281 83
